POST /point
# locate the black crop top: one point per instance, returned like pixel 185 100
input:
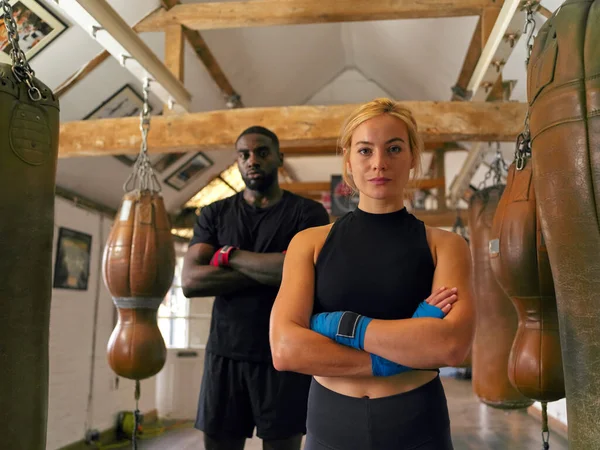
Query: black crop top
pixel 377 265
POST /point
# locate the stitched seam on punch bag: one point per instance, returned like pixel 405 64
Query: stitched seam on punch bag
pixel 587 130
pixel 558 122
pixel 569 83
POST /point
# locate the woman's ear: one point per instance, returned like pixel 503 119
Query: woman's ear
pixel 348 165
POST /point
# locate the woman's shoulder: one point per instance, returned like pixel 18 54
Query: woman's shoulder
pixel 311 239
pixel 445 241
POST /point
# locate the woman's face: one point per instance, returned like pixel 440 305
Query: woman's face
pixel 380 158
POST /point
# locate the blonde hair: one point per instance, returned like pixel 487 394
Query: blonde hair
pixel 373 109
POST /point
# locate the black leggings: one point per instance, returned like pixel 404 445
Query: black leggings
pixel 417 419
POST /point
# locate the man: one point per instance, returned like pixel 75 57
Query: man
pixel 236 254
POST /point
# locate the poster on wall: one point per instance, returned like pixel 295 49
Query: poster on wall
pixel 188 171
pixel 342 198
pixel 37 27
pixel 72 266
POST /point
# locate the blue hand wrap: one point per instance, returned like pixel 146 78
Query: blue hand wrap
pixel 426 310
pixel 344 327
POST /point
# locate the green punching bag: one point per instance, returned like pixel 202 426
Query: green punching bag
pixel 29 126
pixel 563 83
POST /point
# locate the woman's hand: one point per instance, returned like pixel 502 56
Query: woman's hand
pixel 443 298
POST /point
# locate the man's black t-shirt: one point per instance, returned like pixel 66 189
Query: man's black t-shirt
pixel 239 326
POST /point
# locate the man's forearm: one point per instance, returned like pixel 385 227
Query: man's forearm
pixel 208 281
pixel 265 268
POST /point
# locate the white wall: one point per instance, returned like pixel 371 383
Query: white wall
pixel 71 337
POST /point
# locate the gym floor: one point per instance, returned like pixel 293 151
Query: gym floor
pixel 475 426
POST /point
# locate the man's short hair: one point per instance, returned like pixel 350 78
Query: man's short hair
pixel 260 130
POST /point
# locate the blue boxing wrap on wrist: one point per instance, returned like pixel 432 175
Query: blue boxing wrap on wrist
pixel 344 327
pixel 384 368
pixel 426 310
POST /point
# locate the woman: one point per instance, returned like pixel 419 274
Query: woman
pixel 375 303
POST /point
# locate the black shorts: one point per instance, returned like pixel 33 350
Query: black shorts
pixel 417 419
pixel 236 396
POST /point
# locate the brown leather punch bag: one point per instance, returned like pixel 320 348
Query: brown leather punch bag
pixel 496 317
pixel 520 262
pixel 563 83
pixel 138 268
pixel 28 154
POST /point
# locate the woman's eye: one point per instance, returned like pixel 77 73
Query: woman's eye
pixel 395 149
pixel 364 151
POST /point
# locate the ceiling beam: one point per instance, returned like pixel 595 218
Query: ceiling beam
pixel 296 126
pixel 501 40
pixel 88 68
pixel 261 13
pixel 109 29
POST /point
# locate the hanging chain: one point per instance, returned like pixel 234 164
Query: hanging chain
pixel 143 177
pixel 545 431
pixel 136 416
pixel 21 68
pixel 497 169
pixel 523 147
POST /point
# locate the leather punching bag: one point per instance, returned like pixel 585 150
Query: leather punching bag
pixel 563 84
pixel 520 263
pixel 28 154
pixel 496 318
pixel 138 268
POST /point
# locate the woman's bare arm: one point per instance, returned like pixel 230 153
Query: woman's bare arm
pixel 294 346
pixel 431 343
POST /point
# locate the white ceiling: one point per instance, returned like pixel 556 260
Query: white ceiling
pixel 323 64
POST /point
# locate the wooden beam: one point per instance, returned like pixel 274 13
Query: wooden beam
pixel 261 13
pixel 440 173
pixel 174 50
pixel 544 11
pixel 300 187
pixel 459 90
pixel 212 66
pixel 88 68
pixel 117 37
pixel 296 126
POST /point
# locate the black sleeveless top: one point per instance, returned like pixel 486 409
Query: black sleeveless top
pixel 377 265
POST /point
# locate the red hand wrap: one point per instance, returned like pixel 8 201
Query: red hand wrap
pixel 221 256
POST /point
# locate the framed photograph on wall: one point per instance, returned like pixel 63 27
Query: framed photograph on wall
pixel 188 171
pixel 126 102
pixel 37 27
pixel 72 266
pixel 166 161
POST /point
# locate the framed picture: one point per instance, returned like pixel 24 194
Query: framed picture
pixel 166 161
pixel 37 27
pixel 124 103
pixel 72 266
pixel 190 170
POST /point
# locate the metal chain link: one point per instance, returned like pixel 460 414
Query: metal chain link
pixel 21 68
pixel 143 177
pixel 136 416
pixel 545 430
pixel 497 168
pixel 523 147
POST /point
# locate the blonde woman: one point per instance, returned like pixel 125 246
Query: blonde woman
pixel 374 304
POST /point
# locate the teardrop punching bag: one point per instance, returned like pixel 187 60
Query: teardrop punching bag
pixel 563 84
pixel 28 154
pixel 138 267
pixel 496 318
pixel 519 260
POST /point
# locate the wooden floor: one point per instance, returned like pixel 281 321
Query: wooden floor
pixel 475 426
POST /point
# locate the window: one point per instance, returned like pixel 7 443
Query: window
pixel 228 183
pixel 183 322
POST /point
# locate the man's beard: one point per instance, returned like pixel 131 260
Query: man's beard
pixel 261 184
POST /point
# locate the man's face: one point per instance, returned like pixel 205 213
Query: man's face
pixel 258 161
